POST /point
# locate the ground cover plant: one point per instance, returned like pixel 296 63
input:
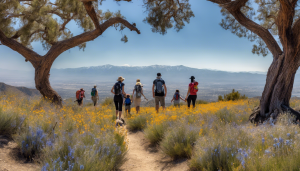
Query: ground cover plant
pixel 218 136
pixel 212 136
pixel 67 138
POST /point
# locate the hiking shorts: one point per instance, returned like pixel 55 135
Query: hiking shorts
pixel 118 99
pixel 127 108
pixel 137 102
pixel 160 99
pixel 95 100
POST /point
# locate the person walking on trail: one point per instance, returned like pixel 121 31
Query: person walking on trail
pixel 137 98
pixel 191 95
pixel 79 96
pixel 95 96
pixel 127 103
pixel 159 91
pixel 118 91
pixel 176 98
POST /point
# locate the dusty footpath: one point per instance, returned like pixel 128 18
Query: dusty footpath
pixel 142 157
pixel 10 159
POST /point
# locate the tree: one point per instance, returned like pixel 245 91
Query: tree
pixel 278 19
pixel 46 21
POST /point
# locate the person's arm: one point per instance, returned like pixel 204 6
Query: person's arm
pixel 182 98
pixel 123 90
pixel 187 94
pixel 165 87
pixel 132 92
pixel 143 94
pixel 84 94
pixel 153 91
pixel 172 99
pixel 112 90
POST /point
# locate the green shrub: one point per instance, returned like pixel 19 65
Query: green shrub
pixel 234 95
pixel 106 152
pixel 31 142
pixel 108 101
pixel 179 140
pixel 137 123
pixel 10 123
pixel 216 158
pixel 201 102
pixel 155 133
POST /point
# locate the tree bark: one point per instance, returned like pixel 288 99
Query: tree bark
pixel 278 89
pixel 42 83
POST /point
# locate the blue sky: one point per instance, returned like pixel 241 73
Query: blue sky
pixel 201 44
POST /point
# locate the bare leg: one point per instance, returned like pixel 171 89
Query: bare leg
pixel 120 114
pixel 137 109
pixel 157 108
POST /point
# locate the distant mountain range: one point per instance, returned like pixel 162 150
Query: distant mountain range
pixel 21 91
pixel 173 74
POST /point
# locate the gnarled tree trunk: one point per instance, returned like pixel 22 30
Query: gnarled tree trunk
pixel 42 84
pixel 278 89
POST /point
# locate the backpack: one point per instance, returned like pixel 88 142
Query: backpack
pixel 78 94
pixel 127 101
pixel 138 89
pixel 93 92
pixel 159 86
pixel 176 96
pixel 194 87
pixel 117 88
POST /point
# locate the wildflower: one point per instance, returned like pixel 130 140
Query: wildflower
pixel 267 152
pixel 263 140
pixel 288 134
pixel 81 167
pixel 288 142
pixel 49 143
pixel 275 140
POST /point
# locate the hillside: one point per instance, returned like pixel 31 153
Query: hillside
pixel 22 91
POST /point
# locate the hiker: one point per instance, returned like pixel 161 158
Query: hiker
pixel 118 91
pixel 191 95
pixel 127 103
pixel 95 96
pixel 79 96
pixel 176 98
pixel 138 89
pixel 159 91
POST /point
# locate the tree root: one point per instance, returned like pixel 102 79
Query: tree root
pixel 256 118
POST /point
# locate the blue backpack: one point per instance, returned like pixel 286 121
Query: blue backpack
pixel 127 101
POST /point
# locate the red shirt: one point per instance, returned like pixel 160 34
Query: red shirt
pixel 192 85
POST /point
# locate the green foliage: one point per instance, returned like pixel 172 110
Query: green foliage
pixel 201 102
pixel 155 133
pixel 47 21
pixel 162 14
pixel 234 95
pixel 179 140
pixel 137 123
pixel 108 101
pixel 10 123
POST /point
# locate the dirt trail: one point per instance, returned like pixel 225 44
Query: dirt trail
pixel 10 159
pixel 141 156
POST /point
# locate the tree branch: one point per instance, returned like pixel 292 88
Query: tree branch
pixel 28 54
pixel 234 7
pixel 263 33
pixel 91 12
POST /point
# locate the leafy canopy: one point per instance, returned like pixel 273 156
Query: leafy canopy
pixel 46 20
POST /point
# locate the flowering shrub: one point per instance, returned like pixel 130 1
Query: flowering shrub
pixel 67 138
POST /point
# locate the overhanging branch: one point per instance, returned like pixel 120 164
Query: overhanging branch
pixel 27 53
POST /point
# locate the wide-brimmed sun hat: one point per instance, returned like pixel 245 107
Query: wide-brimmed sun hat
pixel 120 78
pixel 138 80
pixel 192 77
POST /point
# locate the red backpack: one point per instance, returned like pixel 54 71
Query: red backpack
pixel 194 87
pixel 78 94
